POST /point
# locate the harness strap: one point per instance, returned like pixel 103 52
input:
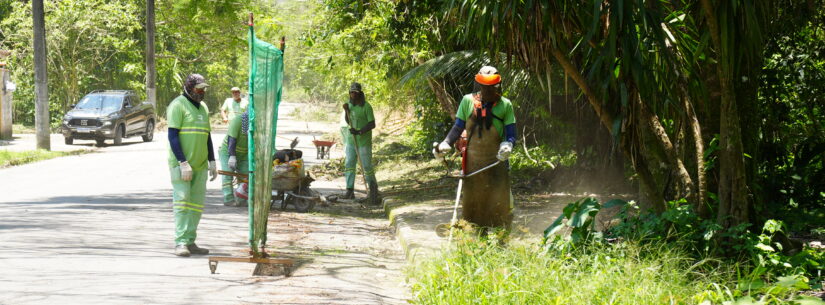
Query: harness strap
pixel 481 118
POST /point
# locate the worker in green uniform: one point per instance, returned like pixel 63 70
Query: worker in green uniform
pixel 490 125
pixel 191 158
pixel 234 156
pixel 357 123
pixel 233 106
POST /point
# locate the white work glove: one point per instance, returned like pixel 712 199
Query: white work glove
pixel 233 163
pixel 504 150
pixel 441 150
pixel 185 171
pixel 213 171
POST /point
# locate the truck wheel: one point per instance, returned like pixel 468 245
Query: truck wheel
pixel 68 140
pixel 100 142
pixel 150 132
pixel 118 135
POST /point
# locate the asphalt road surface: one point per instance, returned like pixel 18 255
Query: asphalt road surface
pixel 98 229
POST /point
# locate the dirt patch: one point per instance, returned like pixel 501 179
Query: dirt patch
pixel 347 254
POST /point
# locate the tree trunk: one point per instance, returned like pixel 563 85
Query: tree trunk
pixel 671 157
pixel 733 193
pixel 649 184
pixel 443 98
pixel 151 90
pixel 41 89
pixel 696 134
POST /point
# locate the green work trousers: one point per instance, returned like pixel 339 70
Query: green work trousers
pixel 226 186
pixel 188 198
pixel 351 163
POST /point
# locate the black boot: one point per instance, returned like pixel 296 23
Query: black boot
pixel 374 197
pixel 194 249
pixel 349 195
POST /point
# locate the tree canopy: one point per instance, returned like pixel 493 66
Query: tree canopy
pixel 719 103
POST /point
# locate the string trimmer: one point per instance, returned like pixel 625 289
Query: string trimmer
pixel 461 176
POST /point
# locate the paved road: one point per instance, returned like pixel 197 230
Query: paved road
pixel 97 229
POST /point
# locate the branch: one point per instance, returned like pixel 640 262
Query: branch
pixel 188 61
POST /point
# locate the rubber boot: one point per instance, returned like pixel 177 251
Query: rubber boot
pixel 349 195
pixel 374 197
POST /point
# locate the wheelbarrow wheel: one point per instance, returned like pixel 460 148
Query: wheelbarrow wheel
pixel 303 205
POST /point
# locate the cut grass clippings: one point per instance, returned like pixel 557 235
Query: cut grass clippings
pixel 13 158
pixel 479 272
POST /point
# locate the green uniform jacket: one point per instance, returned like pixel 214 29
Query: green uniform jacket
pixel 194 131
pixel 503 111
pixel 242 147
pixel 360 116
pixel 233 108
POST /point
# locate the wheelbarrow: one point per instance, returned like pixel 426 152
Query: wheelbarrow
pixel 322 148
pixel 290 186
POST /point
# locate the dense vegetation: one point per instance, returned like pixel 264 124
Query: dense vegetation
pixel 711 110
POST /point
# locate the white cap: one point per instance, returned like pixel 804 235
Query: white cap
pixel 236 89
pixel 488 70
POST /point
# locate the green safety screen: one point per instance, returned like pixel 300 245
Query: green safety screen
pixel 266 74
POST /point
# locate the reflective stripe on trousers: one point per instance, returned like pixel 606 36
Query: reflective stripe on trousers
pixel 188 199
pixel 352 162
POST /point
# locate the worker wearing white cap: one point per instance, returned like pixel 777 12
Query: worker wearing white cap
pixel 233 106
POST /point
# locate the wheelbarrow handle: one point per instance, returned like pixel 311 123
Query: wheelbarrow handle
pixel 241 177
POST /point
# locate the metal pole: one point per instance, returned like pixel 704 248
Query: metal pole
pixel 253 245
pixel 455 208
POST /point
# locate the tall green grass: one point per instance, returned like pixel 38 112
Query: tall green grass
pixel 482 272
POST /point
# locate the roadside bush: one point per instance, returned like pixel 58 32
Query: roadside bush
pixel 431 124
pixel 540 158
pixel 764 266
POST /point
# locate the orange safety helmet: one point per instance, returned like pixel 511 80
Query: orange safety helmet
pixel 488 75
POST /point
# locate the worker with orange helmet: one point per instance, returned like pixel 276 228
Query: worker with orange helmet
pixel 489 123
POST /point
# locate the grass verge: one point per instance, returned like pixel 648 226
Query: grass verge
pixel 482 272
pixel 13 158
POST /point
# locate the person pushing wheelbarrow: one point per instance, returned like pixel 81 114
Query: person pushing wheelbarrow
pixel 490 126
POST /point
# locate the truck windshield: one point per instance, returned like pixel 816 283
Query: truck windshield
pixel 101 101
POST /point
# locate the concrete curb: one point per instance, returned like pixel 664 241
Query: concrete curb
pixel 415 233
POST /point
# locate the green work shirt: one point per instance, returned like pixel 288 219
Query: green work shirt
pixel 503 110
pixel 234 108
pixel 193 124
pixel 241 147
pixel 360 116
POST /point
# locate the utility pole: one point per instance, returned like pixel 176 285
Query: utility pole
pixel 151 89
pixel 41 89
